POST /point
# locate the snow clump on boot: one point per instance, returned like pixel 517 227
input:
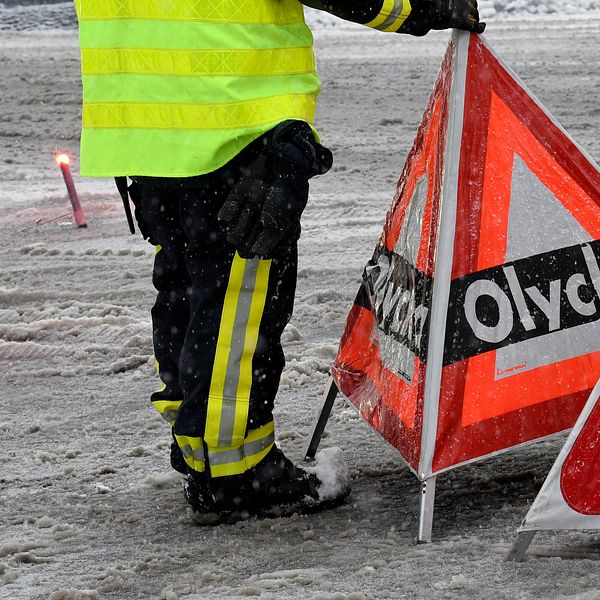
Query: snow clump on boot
pixel 332 472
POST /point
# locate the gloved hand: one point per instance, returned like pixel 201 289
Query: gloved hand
pixel 442 14
pixel 262 212
pixel 241 210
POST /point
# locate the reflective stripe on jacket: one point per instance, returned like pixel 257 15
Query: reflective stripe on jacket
pixel 176 89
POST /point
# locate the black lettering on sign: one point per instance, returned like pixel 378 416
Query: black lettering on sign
pixel 523 299
pixel 400 297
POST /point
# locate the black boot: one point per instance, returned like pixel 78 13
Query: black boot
pixel 201 501
pixel 195 488
pixel 276 487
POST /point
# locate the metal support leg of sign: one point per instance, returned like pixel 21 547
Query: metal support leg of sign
pixel 327 400
pixel 427 505
pixel 517 552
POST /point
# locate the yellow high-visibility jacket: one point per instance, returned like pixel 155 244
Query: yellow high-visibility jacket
pixel 177 88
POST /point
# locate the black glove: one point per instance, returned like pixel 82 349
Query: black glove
pixel 262 212
pixel 442 14
pixel 240 212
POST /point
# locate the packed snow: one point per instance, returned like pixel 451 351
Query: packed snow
pixel 89 508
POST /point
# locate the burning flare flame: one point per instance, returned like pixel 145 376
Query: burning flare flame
pixel 62 159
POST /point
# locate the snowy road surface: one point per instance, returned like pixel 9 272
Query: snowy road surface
pixel 88 505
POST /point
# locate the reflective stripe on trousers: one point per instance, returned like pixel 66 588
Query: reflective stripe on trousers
pixel 232 460
pixel 229 394
pixel 162 399
pixel 230 450
pixel 167 409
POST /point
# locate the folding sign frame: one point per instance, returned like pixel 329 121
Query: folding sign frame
pixel 477 326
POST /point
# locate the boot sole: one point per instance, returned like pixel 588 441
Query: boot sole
pixel 270 512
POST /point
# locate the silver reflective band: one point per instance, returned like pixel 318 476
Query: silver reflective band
pixel 169 415
pixel 197 454
pixel 232 456
pixel 236 350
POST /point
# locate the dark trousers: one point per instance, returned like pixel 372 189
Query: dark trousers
pixel 217 324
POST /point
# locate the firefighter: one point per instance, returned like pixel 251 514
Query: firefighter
pixel 208 107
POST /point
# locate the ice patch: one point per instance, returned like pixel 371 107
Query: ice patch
pixel 331 469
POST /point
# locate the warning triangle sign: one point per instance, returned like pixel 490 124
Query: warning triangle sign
pixel 570 496
pixel 477 325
